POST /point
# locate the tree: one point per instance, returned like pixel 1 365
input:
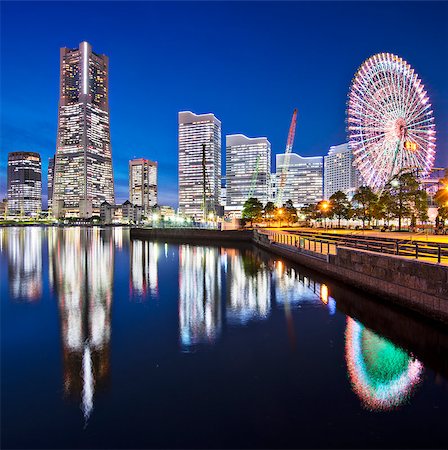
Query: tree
pixel 382 209
pixel 290 212
pixel 339 206
pixel 419 205
pixel 252 210
pixel 323 210
pixel 269 211
pixel 442 215
pixel 310 212
pixel 365 200
pixel 402 189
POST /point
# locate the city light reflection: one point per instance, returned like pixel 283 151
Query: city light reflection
pixel 144 269
pixel 382 375
pixel 249 288
pixel 25 263
pixel 82 265
pixel 200 316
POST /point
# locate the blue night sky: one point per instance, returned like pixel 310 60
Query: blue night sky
pixel 249 63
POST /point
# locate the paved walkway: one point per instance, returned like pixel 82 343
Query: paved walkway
pixel 440 239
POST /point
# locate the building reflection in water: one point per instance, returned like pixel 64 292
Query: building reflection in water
pixel 81 263
pixel 294 289
pixel 24 246
pixel 200 316
pixel 144 257
pixel 248 287
pixel 382 375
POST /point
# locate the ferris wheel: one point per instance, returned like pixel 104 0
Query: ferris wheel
pixel 390 123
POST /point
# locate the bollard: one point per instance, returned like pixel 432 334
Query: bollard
pixel 439 254
pixel 416 250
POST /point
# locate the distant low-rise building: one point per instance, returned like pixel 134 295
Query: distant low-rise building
pixel 125 213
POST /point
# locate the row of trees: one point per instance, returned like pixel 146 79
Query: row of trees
pixel 401 199
pixel 254 211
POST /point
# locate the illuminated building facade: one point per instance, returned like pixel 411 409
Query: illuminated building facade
pixel 194 131
pixel 24 184
pixel 304 178
pixel 143 183
pixel 339 172
pixel 50 179
pixel 248 168
pixel 83 176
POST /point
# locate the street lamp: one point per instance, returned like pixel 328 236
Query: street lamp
pixel 324 205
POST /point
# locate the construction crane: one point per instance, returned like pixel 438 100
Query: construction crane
pixel 289 144
pixel 253 182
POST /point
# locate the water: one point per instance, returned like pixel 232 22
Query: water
pixel 113 343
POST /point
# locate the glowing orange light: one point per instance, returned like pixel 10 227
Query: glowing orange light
pixel 324 205
pixel 412 146
pixel 324 293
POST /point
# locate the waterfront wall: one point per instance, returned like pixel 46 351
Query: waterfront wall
pixel 414 284
pixel 192 235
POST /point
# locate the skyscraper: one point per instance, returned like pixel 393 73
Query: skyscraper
pixel 304 179
pixel 143 183
pixel 339 172
pixel 83 176
pixel 50 179
pixel 24 183
pixel 248 168
pixel 195 131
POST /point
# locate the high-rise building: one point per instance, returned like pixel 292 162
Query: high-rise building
pixel 143 183
pixel 248 168
pixel 339 172
pixel 24 183
pixel 83 176
pixel 50 179
pixel 304 178
pixel 199 146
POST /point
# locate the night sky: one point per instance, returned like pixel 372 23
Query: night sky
pixel 249 63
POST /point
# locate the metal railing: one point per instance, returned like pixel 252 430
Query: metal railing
pixel 316 245
pixel 430 251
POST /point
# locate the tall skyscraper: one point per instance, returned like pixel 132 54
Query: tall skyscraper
pixel 194 132
pixel 304 179
pixel 24 183
pixel 83 176
pixel 143 183
pixel 339 172
pixel 248 168
pixel 50 179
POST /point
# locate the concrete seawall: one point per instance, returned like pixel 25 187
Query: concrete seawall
pixel 413 284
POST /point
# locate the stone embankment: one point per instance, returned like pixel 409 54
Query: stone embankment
pixel 414 284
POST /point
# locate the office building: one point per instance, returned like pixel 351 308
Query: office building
pixel 199 147
pixel 83 176
pixel 24 184
pixel 50 180
pixel 248 169
pixel 304 178
pixel 143 183
pixel 339 172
